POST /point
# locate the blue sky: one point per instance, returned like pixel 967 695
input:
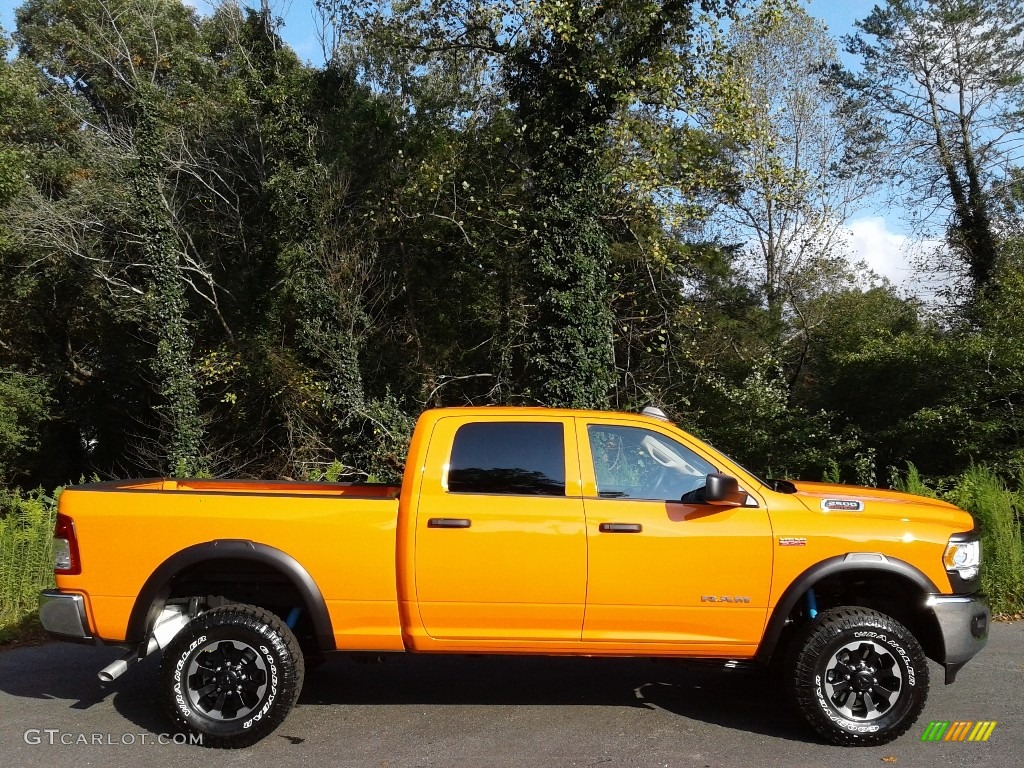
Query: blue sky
pixel 839 15
pixel 876 236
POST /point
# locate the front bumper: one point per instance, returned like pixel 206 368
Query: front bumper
pixel 963 623
pixel 63 616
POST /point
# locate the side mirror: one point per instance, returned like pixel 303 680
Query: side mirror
pixel 723 491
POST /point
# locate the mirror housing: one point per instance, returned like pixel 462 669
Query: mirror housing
pixel 723 491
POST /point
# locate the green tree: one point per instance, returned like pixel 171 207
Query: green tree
pixel 585 70
pixel 914 390
pixel 804 169
pixel 133 73
pixel 943 79
pixel 24 405
pixel 609 106
pixel 52 318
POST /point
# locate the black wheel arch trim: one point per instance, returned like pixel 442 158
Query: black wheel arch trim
pixel 155 591
pixel 831 567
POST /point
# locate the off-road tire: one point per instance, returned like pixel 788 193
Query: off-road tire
pixel 232 675
pixel 857 676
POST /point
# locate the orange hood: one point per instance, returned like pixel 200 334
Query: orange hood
pixel 878 502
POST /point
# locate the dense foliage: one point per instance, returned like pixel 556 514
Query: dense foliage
pixel 26 558
pixel 995 504
pixel 219 260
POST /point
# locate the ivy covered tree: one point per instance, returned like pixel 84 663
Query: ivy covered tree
pixel 132 73
pixel 942 79
pixel 579 92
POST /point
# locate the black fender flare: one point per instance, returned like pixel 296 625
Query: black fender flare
pixel 154 592
pixel 851 563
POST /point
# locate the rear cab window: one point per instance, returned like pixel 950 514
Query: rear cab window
pixel 508 457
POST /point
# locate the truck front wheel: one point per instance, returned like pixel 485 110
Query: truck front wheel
pixel 859 677
pixel 231 675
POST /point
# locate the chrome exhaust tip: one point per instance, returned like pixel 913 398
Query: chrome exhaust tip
pixel 113 671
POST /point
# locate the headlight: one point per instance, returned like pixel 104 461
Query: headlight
pixel 963 558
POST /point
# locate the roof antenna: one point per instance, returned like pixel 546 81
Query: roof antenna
pixel 653 412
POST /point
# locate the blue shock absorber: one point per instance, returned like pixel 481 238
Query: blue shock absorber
pixel 812 604
pixel 293 617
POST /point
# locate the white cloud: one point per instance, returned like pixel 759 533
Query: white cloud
pixel 893 255
pixel 886 252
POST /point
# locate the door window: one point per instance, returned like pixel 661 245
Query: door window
pixel 508 457
pixel 637 463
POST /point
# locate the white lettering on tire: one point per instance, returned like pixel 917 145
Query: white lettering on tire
pixel 179 696
pixel 842 722
pixel 271 689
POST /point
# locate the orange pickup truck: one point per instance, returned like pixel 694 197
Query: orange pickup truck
pixel 524 531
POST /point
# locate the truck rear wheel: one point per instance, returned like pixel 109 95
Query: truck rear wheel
pixel 232 675
pixel 859 677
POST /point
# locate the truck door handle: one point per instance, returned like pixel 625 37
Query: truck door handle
pixel 620 528
pixel 448 522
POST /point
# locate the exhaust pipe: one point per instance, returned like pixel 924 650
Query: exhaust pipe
pixel 171 620
pixel 113 671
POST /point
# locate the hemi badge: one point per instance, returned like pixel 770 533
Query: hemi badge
pixel 842 505
pixel 792 541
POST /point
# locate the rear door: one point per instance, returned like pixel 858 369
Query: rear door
pixel 501 545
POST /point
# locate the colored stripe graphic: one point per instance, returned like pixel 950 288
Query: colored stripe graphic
pixel 935 731
pixel 982 731
pixel 958 730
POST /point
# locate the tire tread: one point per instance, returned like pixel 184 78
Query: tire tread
pixel 257 620
pixel 810 641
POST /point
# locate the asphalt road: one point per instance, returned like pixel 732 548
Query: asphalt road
pixel 482 712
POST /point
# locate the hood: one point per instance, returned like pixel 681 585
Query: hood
pixel 877 502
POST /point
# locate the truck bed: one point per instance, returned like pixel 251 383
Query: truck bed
pixel 342 534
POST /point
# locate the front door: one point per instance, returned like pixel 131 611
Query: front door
pixel 501 546
pixel 660 570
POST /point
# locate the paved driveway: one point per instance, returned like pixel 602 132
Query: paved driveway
pixel 480 712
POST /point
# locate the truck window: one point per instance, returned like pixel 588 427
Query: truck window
pixel 508 457
pixel 637 463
